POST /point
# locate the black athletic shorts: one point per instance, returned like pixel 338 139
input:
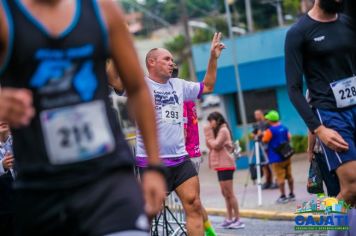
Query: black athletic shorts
pixel 178 174
pixel 111 204
pixel 225 175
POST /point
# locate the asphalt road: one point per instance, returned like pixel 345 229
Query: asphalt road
pixel 255 227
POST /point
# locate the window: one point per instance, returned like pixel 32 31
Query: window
pixel 265 99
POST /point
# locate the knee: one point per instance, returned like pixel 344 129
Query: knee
pixel 349 190
pixel 280 181
pixel 229 195
pixel 197 206
pixel 194 206
pixel 223 192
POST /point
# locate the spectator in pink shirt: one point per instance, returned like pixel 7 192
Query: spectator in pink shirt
pixel 219 142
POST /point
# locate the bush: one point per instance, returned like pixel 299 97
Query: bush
pixel 299 143
pixel 242 142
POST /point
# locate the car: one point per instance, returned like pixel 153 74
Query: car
pixel 210 101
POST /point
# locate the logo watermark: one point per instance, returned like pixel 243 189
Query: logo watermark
pixel 323 213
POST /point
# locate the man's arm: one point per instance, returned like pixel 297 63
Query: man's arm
pixel 126 61
pixel 210 75
pixel 267 136
pixel 15 104
pixel 113 77
pixel 294 74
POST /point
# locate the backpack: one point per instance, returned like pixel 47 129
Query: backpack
pixel 285 150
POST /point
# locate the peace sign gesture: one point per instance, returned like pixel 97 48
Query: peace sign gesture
pixel 216 46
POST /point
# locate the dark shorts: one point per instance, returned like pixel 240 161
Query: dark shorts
pixel 178 174
pixel 224 175
pixel 344 123
pixel 111 204
pixel 7 226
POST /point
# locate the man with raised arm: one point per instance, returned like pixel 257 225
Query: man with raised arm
pixel 169 95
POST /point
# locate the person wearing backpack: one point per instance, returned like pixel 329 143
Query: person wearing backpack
pixel 279 152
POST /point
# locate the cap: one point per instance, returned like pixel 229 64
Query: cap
pixel 272 115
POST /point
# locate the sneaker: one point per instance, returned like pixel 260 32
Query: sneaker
pixel 291 197
pixel 266 185
pixel 226 223
pixel 237 225
pixel 282 199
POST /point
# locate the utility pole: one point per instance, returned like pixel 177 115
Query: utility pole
pixel 279 13
pixel 278 5
pixel 188 42
pixel 240 99
pixel 249 17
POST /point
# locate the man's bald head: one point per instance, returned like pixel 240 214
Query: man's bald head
pixel 153 54
pixel 160 65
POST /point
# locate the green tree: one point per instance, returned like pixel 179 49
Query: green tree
pixel 216 24
pixel 291 7
pixel 169 10
pixel 178 47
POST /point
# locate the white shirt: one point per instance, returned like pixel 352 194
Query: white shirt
pixel 3 149
pixel 168 101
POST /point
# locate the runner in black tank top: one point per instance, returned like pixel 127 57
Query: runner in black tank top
pixel 63 72
pixel 73 144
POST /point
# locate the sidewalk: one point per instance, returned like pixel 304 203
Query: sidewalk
pixel 214 202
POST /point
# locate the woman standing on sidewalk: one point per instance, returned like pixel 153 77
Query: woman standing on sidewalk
pixel 219 142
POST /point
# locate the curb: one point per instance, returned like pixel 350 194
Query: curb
pixel 256 214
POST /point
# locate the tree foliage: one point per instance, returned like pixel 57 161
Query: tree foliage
pixel 177 46
pixel 264 12
pixel 291 7
pixel 212 12
pixel 217 24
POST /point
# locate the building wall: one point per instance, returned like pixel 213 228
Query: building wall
pixel 289 115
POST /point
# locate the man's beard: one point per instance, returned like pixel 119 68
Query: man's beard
pixel 331 6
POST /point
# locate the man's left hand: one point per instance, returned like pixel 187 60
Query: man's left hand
pixel 216 46
pixel 154 191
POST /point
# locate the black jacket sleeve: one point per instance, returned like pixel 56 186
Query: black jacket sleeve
pixel 294 75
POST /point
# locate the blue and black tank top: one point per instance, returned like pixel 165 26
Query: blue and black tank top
pixel 73 137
